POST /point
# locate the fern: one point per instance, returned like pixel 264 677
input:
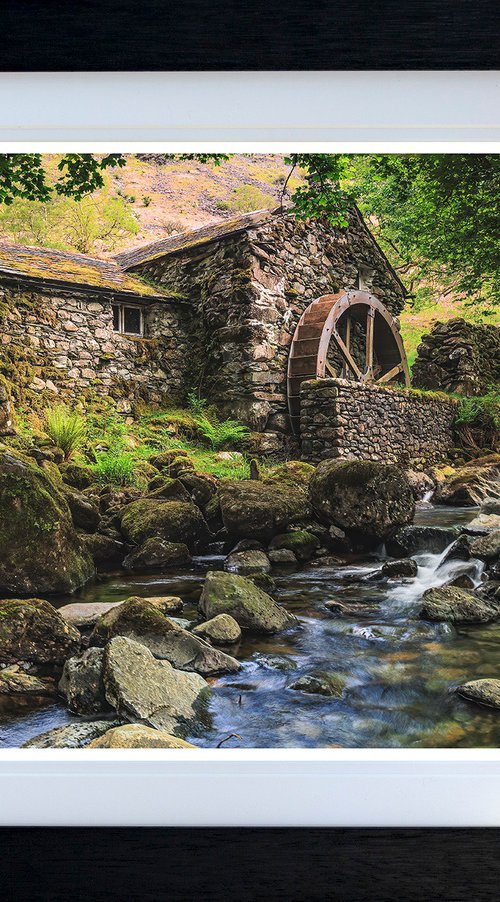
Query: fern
pixel 221 433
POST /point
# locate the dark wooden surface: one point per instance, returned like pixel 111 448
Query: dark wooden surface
pixel 239 865
pixel 140 35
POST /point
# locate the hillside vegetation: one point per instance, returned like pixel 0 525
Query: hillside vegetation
pixel 151 198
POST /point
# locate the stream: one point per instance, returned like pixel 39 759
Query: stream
pixel 399 671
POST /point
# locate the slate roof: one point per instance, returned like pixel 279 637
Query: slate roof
pixel 54 267
pixel 197 237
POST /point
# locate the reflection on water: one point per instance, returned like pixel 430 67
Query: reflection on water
pixel 399 672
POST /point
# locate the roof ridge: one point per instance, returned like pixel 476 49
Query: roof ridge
pixel 202 235
pixel 53 250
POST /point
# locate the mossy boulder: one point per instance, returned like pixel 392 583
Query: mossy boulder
pixel 142 622
pixel 487 548
pixel 471 484
pixel 253 609
pixel 220 630
pixel 303 544
pixel 367 499
pixel 166 487
pixel 173 521
pixel 84 512
pixel 257 510
pixel 14 681
pixel 292 472
pixel 40 549
pixel 76 475
pixel 137 736
pixel 156 554
pixel 32 630
pixel 106 551
pixel 450 603
pixel 323 683
pixel 245 562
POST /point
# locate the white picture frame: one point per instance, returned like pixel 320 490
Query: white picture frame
pixel 399 111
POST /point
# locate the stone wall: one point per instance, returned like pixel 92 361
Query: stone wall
pixel 62 342
pixel 247 293
pixel 458 356
pixel 348 420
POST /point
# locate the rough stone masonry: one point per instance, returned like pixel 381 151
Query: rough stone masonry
pixel 370 422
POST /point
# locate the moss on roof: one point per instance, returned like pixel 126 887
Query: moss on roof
pixel 77 269
pixel 187 240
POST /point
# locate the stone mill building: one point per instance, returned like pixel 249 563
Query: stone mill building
pixel 230 311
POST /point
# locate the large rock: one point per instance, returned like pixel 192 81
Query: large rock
pixel 85 614
pixel 245 562
pixel 141 688
pixel 256 510
pixel 173 521
pixel 450 603
pixel 137 736
pixel 142 622
pixel 303 543
pixel 471 484
pixel 487 548
pixel 32 630
pixel 40 549
pixel 417 539
pixel 72 736
pixel 220 630
pixel 253 609
pixel 82 682
pixel 84 513
pixel 106 551
pixel 14 681
pixel 156 554
pixel 368 500
pixel 485 692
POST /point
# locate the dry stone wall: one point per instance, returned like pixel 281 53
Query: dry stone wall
pixel 247 293
pixel 458 356
pixel 63 343
pixel 348 420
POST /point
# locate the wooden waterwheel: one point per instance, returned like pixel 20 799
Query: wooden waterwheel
pixel 350 335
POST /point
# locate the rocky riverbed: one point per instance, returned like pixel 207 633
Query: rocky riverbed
pixel 327 608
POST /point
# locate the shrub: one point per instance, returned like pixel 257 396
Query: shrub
pixel 66 428
pixel 221 433
pixel 196 405
pixel 114 467
pixel 146 200
pixel 477 420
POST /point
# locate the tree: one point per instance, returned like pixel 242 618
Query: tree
pixel 436 214
pixel 95 221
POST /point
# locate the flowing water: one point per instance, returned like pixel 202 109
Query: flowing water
pixel 398 671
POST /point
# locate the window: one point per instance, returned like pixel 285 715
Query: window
pixel 128 320
pixel 364 278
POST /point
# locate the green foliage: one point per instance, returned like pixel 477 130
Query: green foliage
pixel 69 224
pixel 477 420
pixel 196 404
pixel 245 199
pixel 146 200
pixel 221 433
pixel 66 428
pixel 114 467
pixel 23 175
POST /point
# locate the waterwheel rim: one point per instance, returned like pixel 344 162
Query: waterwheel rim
pixel 326 323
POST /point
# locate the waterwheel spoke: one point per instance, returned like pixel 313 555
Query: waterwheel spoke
pixel 370 320
pixel 330 369
pixel 390 375
pixel 347 355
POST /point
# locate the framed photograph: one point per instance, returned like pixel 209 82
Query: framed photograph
pixel 250 464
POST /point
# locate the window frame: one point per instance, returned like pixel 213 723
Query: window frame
pixel 121 307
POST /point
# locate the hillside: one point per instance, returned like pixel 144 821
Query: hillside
pixel 160 197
